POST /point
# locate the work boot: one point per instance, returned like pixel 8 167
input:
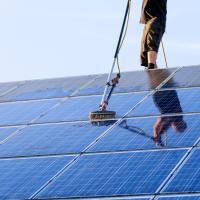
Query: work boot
pixel 152 66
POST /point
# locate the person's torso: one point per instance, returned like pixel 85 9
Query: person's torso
pixel 154 9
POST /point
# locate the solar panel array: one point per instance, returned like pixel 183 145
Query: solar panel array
pixel 49 149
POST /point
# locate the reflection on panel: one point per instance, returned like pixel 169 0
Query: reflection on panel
pixel 145 133
pixel 23 112
pixel 79 108
pixel 51 139
pixel 130 81
pixel 187 179
pixel 6 132
pixel 186 77
pixel 114 174
pixel 170 101
pixel 50 88
pixel 20 178
pixel 180 198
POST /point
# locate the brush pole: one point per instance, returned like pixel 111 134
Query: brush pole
pixel 115 57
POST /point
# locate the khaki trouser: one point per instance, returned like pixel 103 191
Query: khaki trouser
pixel 152 35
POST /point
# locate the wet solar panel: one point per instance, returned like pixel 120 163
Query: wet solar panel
pixel 114 174
pixel 50 150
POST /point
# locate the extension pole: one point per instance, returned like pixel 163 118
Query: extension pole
pixel 116 54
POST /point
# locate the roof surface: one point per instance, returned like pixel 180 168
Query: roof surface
pixel 49 149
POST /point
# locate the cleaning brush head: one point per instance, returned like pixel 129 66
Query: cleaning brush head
pixel 101 116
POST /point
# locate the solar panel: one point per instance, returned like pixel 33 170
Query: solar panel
pixel 23 112
pixel 6 132
pixel 50 88
pixel 188 177
pixel 68 111
pixel 180 198
pixel 114 174
pixel 170 101
pixel 5 88
pixel 20 178
pixel 186 77
pixel 138 133
pixel 49 149
pixel 51 139
pixel 130 82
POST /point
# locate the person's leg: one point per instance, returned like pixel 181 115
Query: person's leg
pixel 152 57
pixel 154 36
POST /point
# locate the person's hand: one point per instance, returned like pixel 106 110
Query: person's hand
pixel 159 127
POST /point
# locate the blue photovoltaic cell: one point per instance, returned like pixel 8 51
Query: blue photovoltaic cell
pixel 188 178
pixel 23 112
pixel 180 198
pixel 5 132
pixel 51 139
pixel 79 108
pixel 138 134
pixel 20 178
pixel 49 88
pixel 114 174
pixel 170 101
pixel 130 81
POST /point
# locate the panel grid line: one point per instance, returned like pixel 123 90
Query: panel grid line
pixel 119 197
pixel 96 153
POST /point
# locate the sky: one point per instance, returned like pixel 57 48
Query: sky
pixel 42 39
